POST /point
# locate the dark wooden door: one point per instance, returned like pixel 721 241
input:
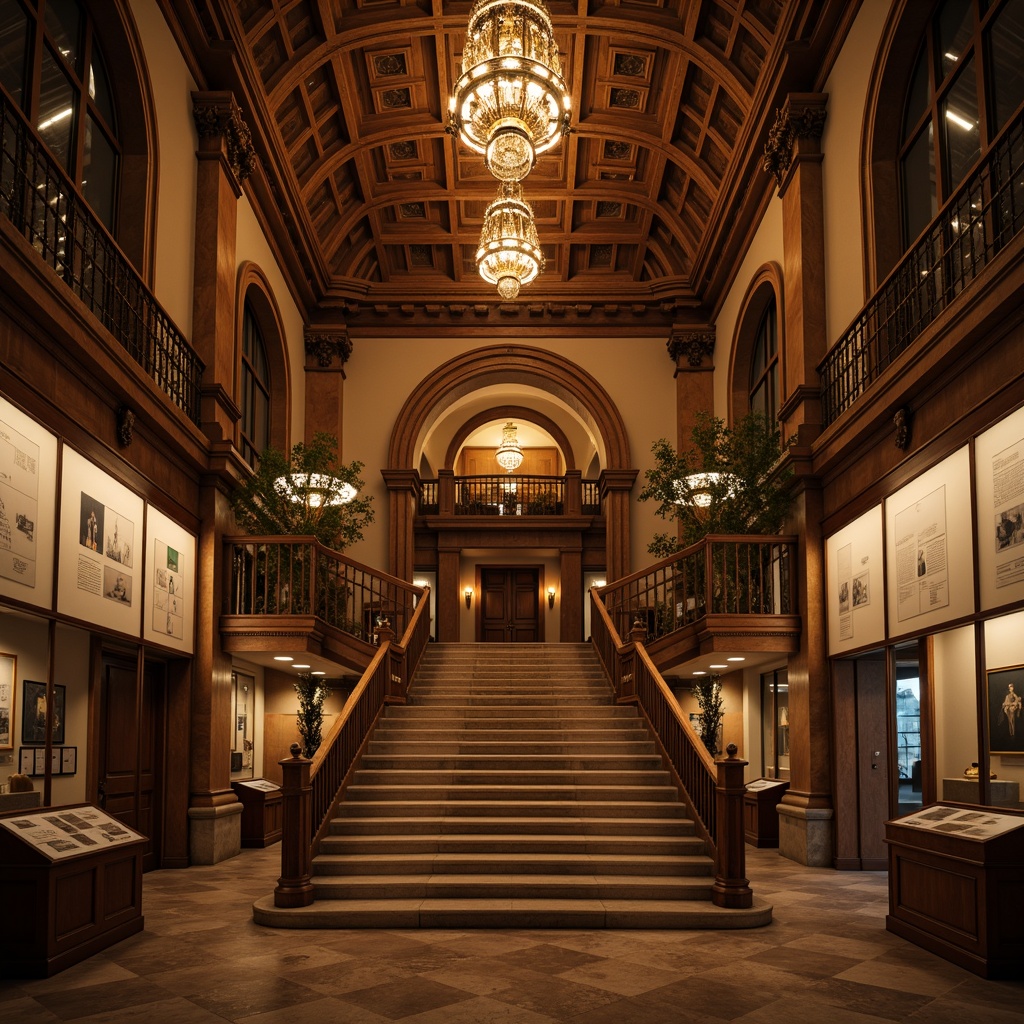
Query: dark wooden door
pixel 131 750
pixel 510 611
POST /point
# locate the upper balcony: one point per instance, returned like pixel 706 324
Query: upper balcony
pixel 507 495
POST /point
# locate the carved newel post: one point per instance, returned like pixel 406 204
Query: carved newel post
pixel 731 888
pixel 295 886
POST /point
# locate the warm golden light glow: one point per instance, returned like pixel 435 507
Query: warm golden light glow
pixel 509 253
pixel 509 454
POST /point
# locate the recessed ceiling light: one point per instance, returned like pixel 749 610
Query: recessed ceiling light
pixel 283 657
pixel 300 666
pixel 735 659
pixel 318 673
pixel 719 666
pixel 700 673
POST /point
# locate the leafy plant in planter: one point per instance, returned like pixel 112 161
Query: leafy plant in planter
pixel 305 492
pixel 710 707
pixel 312 694
pixel 727 483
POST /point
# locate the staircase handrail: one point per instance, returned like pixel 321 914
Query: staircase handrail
pixel 721 574
pixel 712 790
pixel 297 575
pixel 312 788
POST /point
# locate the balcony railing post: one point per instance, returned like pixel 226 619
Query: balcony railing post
pixel 731 888
pixel 295 887
pixel 574 493
pixel 446 492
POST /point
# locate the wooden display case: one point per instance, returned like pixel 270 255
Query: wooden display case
pixel 956 886
pixel 70 886
pixel 760 817
pixel 261 811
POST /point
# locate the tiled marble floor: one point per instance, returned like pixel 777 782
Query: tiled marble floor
pixel 826 958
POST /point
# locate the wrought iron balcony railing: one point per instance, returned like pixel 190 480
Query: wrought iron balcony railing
pixel 39 199
pixel 503 494
pixel 977 222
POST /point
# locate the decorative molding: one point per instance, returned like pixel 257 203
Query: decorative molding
pixel 326 344
pixel 803 117
pixel 218 116
pixel 125 426
pixel 694 344
pixel 901 421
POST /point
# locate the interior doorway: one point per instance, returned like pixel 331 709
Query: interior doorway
pixel 130 776
pixel 510 605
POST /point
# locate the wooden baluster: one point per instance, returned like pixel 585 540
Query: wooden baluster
pixel 731 888
pixel 295 887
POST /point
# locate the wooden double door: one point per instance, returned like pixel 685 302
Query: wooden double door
pixel 510 606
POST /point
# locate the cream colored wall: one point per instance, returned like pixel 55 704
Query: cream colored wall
pixel 172 88
pixel 252 246
pixel 841 142
pixel 956 717
pixel 26 637
pixel 382 372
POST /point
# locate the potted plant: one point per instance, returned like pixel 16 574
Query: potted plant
pixel 312 694
pixel 708 692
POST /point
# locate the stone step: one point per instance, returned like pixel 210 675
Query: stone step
pixel 502 747
pixel 474 733
pixel 500 863
pixel 521 825
pixel 508 713
pixel 496 762
pixel 479 808
pixel 509 777
pixel 633 848
pixel 502 886
pixel 511 700
pixel 456 792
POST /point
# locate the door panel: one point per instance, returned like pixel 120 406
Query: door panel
pixel 510 605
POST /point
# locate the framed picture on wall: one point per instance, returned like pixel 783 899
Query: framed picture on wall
pixel 8 665
pixel 1006 710
pixel 33 713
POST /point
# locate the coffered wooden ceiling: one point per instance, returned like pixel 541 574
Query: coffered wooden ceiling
pixel 641 210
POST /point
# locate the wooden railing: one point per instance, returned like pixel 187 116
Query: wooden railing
pixel 719 575
pixel 299 576
pixel 311 789
pixel 713 791
pixel 509 494
pixel 44 206
pixel 973 226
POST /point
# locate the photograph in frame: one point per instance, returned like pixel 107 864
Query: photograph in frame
pixel 8 675
pixel 1005 697
pixel 33 713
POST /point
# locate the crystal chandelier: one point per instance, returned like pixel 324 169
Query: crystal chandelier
pixel 315 490
pixel 509 454
pixel 511 103
pixel 509 253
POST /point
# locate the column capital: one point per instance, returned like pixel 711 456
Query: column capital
pixel 616 480
pixel 402 480
pixel 694 344
pixel 219 121
pixel 796 132
pixel 326 344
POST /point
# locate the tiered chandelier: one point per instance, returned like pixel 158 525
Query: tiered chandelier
pixel 509 105
pixel 509 253
pixel 509 454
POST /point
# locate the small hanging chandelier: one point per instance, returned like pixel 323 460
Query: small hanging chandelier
pixel 509 454
pixel 509 253
pixel 511 103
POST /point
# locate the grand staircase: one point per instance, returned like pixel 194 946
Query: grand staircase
pixel 511 792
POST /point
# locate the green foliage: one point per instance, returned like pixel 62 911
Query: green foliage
pixel 262 506
pixel 708 692
pixel 312 694
pixel 749 496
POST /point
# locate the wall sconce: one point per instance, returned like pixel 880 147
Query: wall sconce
pixel 551 597
pixel 468 593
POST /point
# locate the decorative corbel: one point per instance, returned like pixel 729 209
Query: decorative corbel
pixel 328 344
pixel 218 116
pixel 695 345
pixel 803 117
pixel 125 426
pixel 901 421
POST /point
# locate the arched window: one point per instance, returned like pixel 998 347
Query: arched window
pixel 764 368
pixel 254 428
pixel 51 66
pixel 967 83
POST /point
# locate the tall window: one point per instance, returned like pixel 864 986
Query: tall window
pixel 255 425
pixel 52 68
pixel 968 82
pixel 764 368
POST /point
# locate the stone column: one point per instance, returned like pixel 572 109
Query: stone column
pixel 693 351
pixel 614 486
pixel 225 158
pixel 327 351
pixel 793 155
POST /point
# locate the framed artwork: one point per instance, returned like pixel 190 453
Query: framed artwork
pixel 8 666
pixel 169 596
pixel 33 713
pixel 1005 695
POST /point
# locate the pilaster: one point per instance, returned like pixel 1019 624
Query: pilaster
pixel 692 349
pixel 327 351
pixel 614 486
pixel 403 495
